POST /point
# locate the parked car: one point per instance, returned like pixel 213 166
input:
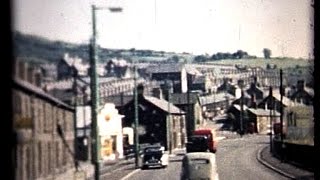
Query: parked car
pixel 155 156
pixel 197 143
pixel 211 135
pixel 129 151
pixel 199 165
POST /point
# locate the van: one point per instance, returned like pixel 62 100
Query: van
pixel 199 165
pixel 210 134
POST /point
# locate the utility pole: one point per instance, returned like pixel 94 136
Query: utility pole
pixel 241 109
pixel 281 114
pixel 94 100
pixel 190 121
pixel 75 104
pixel 169 141
pixel 136 119
pixel 271 118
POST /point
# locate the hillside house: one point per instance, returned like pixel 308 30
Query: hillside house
pixel 302 94
pixel 179 75
pixel 262 119
pixel 300 124
pixel 189 103
pixel 215 104
pixel 159 121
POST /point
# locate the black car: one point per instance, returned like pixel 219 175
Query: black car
pixel 155 156
pixel 129 151
pixel 197 143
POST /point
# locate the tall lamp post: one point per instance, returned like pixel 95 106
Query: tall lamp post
pixel 95 92
pixel 136 119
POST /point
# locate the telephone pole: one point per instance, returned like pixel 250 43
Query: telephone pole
pixel 169 137
pixel 136 119
pixel 281 115
pixel 271 117
pixel 94 99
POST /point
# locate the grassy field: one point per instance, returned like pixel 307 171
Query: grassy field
pixel 260 62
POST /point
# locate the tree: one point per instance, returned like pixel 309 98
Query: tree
pixel 132 51
pixel 267 53
pixel 200 58
pixel 310 73
pixel 173 59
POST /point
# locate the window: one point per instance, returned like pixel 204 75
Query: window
pixel 292 119
pixel 200 161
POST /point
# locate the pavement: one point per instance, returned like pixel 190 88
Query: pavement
pixel 110 170
pixel 265 157
pixel 287 169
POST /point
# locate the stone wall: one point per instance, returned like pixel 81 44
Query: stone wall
pixel 40 151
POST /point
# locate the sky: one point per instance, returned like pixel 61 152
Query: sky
pixel 193 26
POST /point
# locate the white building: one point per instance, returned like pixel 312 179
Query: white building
pixel 110 131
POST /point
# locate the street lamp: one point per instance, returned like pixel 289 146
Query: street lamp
pixel 95 92
pixel 136 119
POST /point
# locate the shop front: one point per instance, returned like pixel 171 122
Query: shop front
pixel 110 132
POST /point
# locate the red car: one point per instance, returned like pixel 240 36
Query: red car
pixel 210 133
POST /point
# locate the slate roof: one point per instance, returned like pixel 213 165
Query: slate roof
pixel 30 88
pixel 215 98
pixel 192 70
pixel 165 68
pixel 118 100
pixel 236 106
pixel 163 104
pixel 68 84
pixel 262 112
pixel 172 68
pixel 286 101
pixel 182 98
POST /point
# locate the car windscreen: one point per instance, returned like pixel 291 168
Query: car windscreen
pixel 199 139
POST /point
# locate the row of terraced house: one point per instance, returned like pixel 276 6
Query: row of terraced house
pixel 51 99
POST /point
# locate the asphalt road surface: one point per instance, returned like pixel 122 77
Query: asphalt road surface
pixel 236 160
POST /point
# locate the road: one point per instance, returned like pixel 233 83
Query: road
pixel 236 159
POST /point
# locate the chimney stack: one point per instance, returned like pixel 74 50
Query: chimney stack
pixel 140 89
pixel 300 85
pixel 240 83
pixel 157 92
